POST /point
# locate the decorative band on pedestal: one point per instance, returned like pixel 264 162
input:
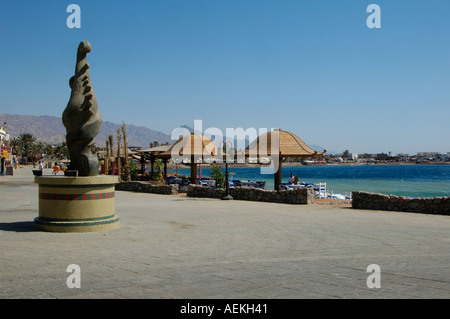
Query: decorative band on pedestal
pixel 50 196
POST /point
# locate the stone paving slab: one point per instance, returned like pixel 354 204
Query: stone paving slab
pixel 170 246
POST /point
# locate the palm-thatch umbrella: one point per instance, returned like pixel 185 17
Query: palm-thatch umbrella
pixel 154 153
pixel 193 148
pixel 279 144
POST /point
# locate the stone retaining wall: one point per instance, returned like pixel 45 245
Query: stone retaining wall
pixel 299 196
pixel 430 205
pixel 143 187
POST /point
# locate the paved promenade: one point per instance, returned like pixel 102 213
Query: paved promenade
pixel 177 247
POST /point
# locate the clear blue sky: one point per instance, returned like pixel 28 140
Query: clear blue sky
pixel 310 67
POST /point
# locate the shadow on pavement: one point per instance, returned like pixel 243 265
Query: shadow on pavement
pixel 26 226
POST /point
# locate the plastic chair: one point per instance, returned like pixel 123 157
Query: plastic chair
pixel 320 190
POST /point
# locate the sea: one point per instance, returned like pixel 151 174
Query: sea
pixel 416 180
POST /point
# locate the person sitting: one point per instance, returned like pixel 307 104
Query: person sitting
pixel 296 180
pixel 291 179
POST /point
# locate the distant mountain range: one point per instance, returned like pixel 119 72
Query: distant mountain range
pixel 50 129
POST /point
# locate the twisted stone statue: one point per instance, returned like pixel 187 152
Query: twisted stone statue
pixel 82 118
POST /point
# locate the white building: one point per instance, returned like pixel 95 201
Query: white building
pixel 3 135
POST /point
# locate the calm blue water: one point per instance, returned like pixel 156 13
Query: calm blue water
pixel 402 180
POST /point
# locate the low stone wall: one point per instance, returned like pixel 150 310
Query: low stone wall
pixel 143 187
pixel 299 196
pixel 429 205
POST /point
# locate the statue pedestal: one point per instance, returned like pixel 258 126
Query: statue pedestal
pixel 76 204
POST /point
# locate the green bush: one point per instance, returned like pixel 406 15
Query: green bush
pixel 159 176
pixel 133 171
pixel 218 176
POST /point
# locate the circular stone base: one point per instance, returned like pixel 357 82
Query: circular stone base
pixel 76 204
pixel 76 226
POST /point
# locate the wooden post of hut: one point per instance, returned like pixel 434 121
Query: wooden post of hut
pixel 142 160
pixel 152 164
pixel 193 172
pixel 165 166
pixel 277 175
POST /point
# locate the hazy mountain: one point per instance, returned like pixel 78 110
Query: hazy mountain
pixel 49 129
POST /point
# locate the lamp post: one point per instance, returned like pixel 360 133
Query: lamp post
pixel 227 186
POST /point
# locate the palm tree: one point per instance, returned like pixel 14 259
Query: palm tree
pixel 36 150
pixel 154 144
pixel 107 158
pixel 119 145
pixel 49 150
pixel 111 153
pixel 26 141
pixel 111 144
pixel 16 146
pixel 125 155
pixel 61 150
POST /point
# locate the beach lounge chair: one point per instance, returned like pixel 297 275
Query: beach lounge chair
pixel 320 190
pixel 236 182
pixel 260 185
pixel 200 182
pixel 285 186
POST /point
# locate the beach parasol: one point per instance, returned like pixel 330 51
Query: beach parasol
pixel 192 148
pixel 154 152
pixel 279 144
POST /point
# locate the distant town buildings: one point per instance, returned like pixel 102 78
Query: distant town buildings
pixel 419 158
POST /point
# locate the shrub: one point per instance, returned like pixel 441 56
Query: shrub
pixel 218 176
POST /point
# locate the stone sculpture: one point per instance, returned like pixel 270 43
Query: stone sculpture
pixel 82 200
pixel 82 118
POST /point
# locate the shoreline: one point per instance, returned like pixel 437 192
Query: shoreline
pixel 289 164
pixel 333 189
pixel 341 181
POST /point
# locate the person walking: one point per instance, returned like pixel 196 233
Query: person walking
pixel 56 169
pixel 41 166
pixel 3 166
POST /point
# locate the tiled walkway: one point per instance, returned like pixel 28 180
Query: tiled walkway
pixel 179 247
